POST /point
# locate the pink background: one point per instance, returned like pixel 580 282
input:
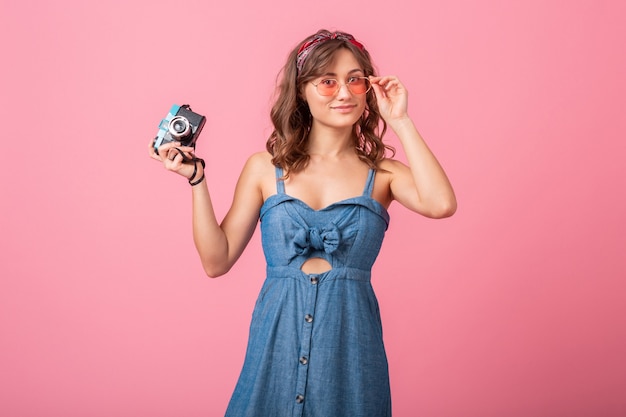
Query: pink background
pixel 513 307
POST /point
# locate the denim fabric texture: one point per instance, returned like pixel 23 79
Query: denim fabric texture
pixel 315 347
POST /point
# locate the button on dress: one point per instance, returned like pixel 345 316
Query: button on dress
pixel 315 347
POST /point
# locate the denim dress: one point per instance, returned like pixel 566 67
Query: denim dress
pixel 315 347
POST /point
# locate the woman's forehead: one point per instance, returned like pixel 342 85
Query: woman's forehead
pixel 343 61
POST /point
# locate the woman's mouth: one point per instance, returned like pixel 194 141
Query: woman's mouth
pixel 344 108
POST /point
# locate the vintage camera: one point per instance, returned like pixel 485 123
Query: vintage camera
pixel 180 125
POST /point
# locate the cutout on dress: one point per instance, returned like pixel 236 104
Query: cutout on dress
pixel 316 266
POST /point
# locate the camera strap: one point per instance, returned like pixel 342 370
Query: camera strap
pixel 195 161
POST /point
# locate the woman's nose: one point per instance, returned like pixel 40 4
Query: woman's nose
pixel 343 91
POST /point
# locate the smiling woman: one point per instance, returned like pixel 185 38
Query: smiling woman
pixel 321 192
pixel 513 307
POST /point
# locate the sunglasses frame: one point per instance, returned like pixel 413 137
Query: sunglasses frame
pixel 347 84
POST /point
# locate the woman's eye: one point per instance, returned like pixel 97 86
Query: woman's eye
pixel 329 82
pixel 356 80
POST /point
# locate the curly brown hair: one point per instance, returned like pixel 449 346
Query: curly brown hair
pixel 292 119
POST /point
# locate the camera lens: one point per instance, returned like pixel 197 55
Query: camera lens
pixel 179 127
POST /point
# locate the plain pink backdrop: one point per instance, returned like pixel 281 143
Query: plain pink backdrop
pixel 513 307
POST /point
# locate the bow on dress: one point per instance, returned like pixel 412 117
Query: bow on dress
pixel 326 239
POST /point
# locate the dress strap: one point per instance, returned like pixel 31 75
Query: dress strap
pixel 369 184
pixel 280 184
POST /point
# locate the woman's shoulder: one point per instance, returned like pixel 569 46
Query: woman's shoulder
pixel 389 168
pixel 260 170
pixel 260 162
pixel 385 171
pixel 390 165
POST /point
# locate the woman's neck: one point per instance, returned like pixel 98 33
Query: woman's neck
pixel 324 141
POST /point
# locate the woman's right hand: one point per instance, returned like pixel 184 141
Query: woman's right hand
pixel 171 156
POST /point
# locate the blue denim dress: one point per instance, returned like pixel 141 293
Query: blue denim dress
pixel 315 347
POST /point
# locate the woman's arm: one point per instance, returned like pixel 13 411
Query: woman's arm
pixel 422 186
pixel 219 245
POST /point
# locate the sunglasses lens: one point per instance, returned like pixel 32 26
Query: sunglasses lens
pixel 327 87
pixel 359 85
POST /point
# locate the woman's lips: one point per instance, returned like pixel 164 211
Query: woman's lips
pixel 344 109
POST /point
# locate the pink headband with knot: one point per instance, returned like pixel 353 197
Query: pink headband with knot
pixel 309 45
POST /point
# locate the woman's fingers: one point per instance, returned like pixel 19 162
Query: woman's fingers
pixel 391 95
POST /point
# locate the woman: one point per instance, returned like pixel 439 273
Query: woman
pixel 321 192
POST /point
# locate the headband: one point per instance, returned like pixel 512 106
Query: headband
pixel 309 45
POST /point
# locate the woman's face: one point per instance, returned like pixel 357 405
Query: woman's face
pixel 343 108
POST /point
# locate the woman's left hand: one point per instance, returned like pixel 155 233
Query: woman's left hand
pixel 392 97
